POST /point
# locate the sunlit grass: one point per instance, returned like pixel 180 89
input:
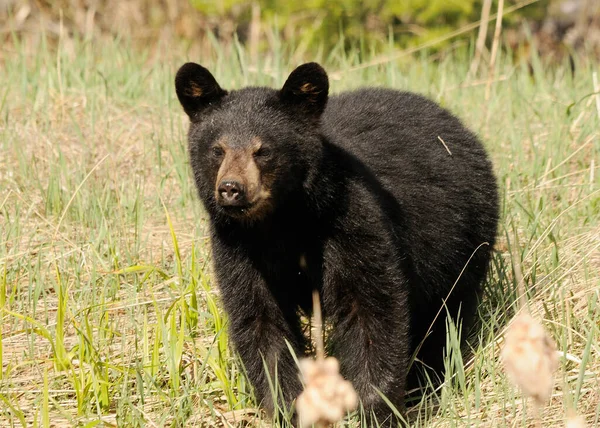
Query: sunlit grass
pixel 109 313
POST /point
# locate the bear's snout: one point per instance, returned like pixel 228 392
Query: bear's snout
pixel 232 193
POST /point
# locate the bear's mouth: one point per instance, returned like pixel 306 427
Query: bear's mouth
pixel 248 213
pixel 237 211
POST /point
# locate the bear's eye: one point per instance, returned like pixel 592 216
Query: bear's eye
pixel 217 151
pixel 263 152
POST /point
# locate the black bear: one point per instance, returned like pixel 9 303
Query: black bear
pixel 381 200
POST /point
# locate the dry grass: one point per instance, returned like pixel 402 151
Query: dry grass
pixel 107 309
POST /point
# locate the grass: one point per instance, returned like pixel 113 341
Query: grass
pixel 108 312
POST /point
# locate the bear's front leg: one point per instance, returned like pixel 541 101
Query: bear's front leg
pixel 365 299
pixel 259 326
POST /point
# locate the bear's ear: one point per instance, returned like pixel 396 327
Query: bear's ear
pixel 196 88
pixel 306 88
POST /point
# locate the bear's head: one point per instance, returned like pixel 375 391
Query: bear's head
pixel 255 149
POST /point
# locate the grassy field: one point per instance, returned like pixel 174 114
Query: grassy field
pixel 108 314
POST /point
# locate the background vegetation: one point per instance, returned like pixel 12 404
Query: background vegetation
pixel 322 22
pixel 555 27
pixel 108 313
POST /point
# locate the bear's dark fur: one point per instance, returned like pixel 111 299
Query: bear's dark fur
pixel 380 200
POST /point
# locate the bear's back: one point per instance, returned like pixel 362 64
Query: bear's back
pixel 402 135
pixel 437 171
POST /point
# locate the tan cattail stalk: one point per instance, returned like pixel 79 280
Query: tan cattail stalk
pixel 575 421
pixel 530 358
pixel 529 353
pixel 327 396
pixel 480 44
pixel 495 45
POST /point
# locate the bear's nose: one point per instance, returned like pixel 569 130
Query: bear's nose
pixel 231 193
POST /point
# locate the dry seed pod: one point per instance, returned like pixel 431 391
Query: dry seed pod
pixel 327 396
pixel 529 357
pixel 575 421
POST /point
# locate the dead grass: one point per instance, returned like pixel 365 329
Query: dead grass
pixel 92 144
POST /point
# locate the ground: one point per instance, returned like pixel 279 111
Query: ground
pixel 106 300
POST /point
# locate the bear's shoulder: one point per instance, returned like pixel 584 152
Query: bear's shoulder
pixel 380 99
